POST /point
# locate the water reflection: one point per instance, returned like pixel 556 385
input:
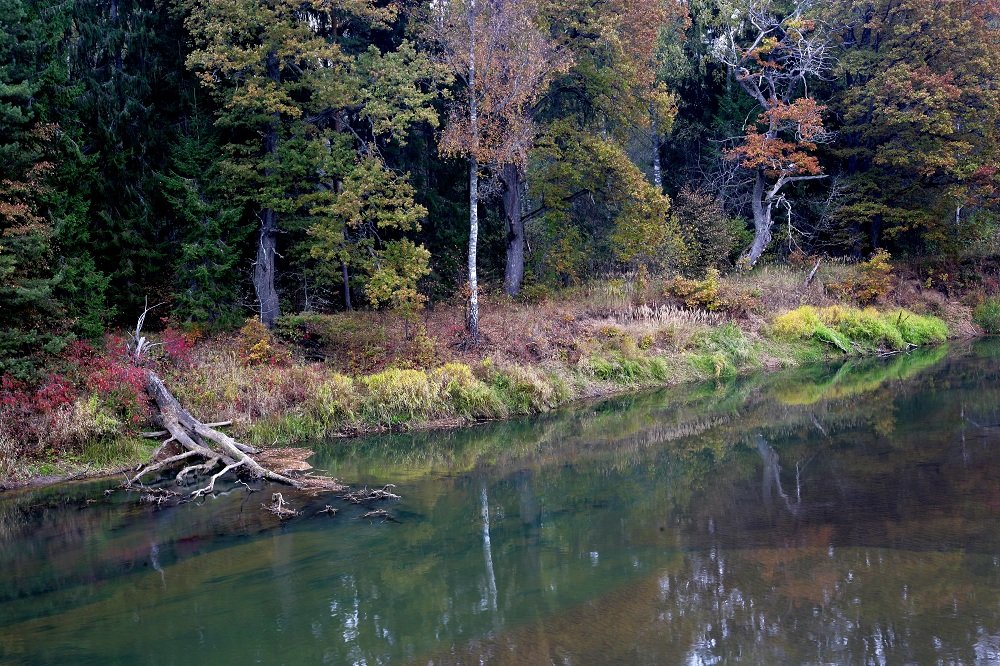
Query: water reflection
pixel 818 516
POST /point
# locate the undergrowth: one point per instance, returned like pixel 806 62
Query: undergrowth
pixel 987 315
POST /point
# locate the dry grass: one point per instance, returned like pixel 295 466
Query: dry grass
pixel 351 373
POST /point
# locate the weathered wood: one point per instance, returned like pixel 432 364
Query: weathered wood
pixel 812 274
pixel 201 440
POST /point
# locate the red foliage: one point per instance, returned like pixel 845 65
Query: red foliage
pixel 109 375
pixel 178 346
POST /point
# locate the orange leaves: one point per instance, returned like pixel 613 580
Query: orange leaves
pixel 507 62
pixel 804 116
pixel 775 156
pixel 786 148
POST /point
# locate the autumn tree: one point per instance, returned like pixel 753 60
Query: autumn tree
pixel 503 61
pixel 594 200
pixel 916 99
pixel 370 202
pixel 773 55
pixel 591 202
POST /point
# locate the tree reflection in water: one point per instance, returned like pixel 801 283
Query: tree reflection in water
pixel 815 516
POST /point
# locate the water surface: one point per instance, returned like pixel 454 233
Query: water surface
pixel 826 515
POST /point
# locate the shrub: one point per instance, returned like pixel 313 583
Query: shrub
pixel 987 315
pixel 711 237
pixel 255 343
pixel 873 280
pixel 354 343
pixel 702 294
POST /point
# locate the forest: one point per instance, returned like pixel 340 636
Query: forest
pixel 363 177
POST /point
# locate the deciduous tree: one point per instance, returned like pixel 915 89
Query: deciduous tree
pixel 773 55
pixel 503 61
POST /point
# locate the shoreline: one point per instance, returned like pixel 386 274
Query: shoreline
pixel 350 375
pixel 86 474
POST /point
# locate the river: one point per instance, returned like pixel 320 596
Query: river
pixel 835 514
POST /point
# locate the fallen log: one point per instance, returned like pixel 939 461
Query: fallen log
pixel 203 449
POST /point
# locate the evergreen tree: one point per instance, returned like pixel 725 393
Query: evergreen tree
pixel 209 232
pixel 32 321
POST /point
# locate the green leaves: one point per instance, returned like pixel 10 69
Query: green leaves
pixel 352 224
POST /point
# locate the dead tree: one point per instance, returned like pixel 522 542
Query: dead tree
pixel 203 451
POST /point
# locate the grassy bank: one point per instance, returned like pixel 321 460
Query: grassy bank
pixel 320 376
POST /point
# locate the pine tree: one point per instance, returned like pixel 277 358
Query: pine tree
pixel 32 321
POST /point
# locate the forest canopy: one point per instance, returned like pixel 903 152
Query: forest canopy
pixel 235 158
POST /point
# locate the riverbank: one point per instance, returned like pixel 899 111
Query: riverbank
pixel 322 376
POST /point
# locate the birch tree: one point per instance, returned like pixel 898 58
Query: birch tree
pixel 503 63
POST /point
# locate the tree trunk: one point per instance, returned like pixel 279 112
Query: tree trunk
pixel 347 286
pixel 761 222
pixel 472 317
pixel 657 144
pixel 264 270
pixel 514 272
pixel 263 274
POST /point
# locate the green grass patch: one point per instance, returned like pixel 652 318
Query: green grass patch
pixel 628 370
pixel 853 330
pixel 724 352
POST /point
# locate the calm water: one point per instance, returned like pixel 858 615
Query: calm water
pixel 828 515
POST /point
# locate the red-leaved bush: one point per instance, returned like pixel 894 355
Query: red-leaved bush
pixel 97 394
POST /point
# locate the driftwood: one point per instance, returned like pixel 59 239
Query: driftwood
pixel 280 507
pixel 203 451
pixel 373 495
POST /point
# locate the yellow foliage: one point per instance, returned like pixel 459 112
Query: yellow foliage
pixel 702 294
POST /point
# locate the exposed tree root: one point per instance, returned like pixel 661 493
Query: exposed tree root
pixel 203 448
pixel 208 449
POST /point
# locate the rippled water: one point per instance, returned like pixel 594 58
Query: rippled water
pixel 825 515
